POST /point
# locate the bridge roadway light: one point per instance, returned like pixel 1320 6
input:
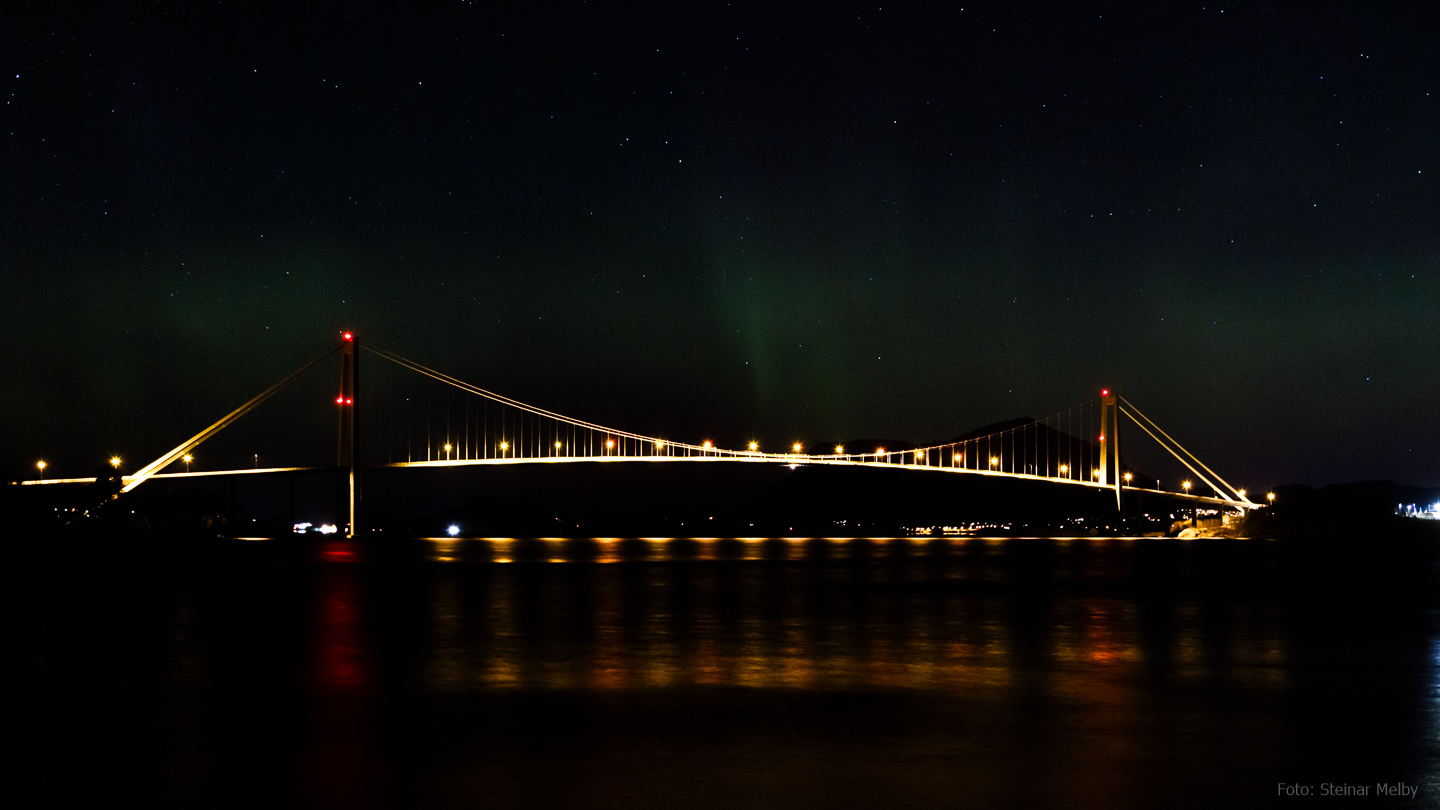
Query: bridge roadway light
pixel 609 444
pixel 1064 468
pixel 754 446
pixel 839 449
pixel 504 446
pixel 1270 496
pixel 797 447
pixel 1128 476
pixel 994 461
pixel 708 445
pixel 187 459
pixel 41 466
pixel 447 452
pixel 1186 485
pixel 115 462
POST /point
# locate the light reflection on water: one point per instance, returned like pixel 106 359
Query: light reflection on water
pixel 846 628
pixel 609 550
pixel 730 672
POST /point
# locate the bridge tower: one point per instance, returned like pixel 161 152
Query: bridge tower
pixel 1110 441
pixel 346 495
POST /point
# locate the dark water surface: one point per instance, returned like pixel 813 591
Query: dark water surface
pixel 703 673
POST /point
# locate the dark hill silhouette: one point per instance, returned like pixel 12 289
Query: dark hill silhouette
pixel 1343 506
pixel 1044 447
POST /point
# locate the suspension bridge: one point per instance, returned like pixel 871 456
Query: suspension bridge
pixel 482 427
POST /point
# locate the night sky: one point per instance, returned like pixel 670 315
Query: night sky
pixel 724 220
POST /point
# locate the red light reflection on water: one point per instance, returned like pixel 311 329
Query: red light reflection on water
pixel 340 656
pixel 340 551
pixel 343 761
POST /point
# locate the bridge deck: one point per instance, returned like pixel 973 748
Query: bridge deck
pixel 757 458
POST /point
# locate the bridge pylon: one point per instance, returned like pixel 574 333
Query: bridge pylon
pixel 1110 442
pixel 348 404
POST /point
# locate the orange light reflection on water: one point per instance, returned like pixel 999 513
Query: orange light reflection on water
pixel 660 630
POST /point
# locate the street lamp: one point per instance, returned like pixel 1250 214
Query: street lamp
pixel 41 465
pixel 1064 468
pixel 1270 496
pixel 187 459
pixel 1186 485
pixel 1128 476
pixel 503 447
pixel 447 452
pixel 839 449
pixel 754 446
pixel 115 462
pixel 609 445
pixel 797 447
pixel 994 461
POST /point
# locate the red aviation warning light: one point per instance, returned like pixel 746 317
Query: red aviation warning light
pixel 1104 392
pixel 339 400
pixel 347 336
